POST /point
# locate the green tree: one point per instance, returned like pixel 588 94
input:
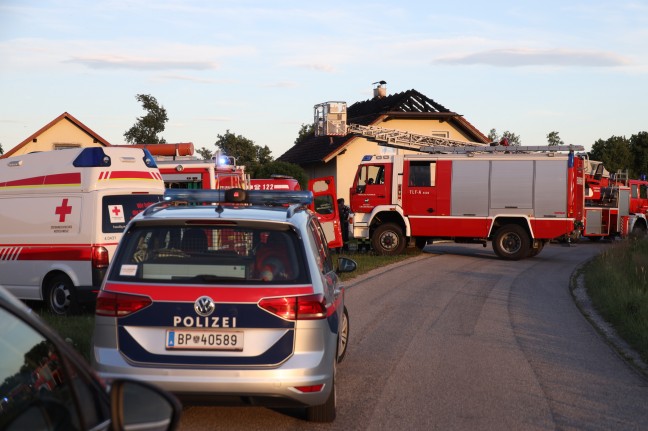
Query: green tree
pixel 205 153
pixel 244 151
pixel 1 150
pixel 614 152
pixel 513 139
pixel 639 150
pixel 554 139
pixel 147 128
pixel 305 132
pixel 282 168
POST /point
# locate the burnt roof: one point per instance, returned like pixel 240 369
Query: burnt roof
pixel 408 104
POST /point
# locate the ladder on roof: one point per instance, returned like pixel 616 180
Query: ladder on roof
pixel 331 120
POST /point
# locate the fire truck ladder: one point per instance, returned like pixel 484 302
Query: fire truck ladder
pixel 434 144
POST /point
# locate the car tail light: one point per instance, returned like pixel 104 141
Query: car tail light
pixel 310 307
pixel 312 388
pixel 99 257
pixel 113 304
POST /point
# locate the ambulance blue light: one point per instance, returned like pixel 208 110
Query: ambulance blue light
pixel 366 158
pixel 256 197
pixel 92 157
pixel 149 161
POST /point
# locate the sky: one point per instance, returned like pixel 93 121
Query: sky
pixel 256 68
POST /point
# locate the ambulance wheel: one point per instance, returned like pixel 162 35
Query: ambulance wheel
pixel 511 242
pixel 343 336
pixel 388 239
pixel 61 295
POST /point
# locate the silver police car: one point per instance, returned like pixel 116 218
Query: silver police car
pixel 226 295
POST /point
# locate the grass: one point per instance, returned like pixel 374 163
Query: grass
pixel 77 330
pixel 617 283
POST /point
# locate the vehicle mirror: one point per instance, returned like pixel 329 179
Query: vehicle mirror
pixel 346 265
pixel 139 405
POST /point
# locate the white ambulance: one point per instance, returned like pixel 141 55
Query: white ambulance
pixel 62 214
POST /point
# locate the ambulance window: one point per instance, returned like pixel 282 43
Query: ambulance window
pixel 117 210
pixel 422 174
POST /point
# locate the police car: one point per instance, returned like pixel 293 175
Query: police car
pixel 226 295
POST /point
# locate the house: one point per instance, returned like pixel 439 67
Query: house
pixel 409 111
pixel 64 131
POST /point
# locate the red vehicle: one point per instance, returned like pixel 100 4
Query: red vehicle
pixel 519 198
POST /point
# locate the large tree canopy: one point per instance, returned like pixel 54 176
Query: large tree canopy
pixel 148 127
pixel 639 150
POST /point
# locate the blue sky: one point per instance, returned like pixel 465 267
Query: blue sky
pixel 256 68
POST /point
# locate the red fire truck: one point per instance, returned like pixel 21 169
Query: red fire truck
pixel 181 169
pixel 519 198
pixel 614 205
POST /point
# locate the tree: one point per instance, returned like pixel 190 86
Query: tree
pixel 205 153
pixel 554 139
pixel 1 150
pixel 283 168
pixel 639 150
pixel 244 151
pixel 512 138
pixel 147 128
pixel 614 152
pixel 305 132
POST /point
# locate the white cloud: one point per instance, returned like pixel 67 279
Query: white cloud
pixel 538 57
pixel 122 62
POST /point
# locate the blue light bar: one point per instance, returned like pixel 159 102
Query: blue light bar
pixel 149 161
pixel 366 158
pixel 92 157
pixel 256 197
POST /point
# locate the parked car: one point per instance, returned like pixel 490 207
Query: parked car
pixel 46 385
pixel 221 296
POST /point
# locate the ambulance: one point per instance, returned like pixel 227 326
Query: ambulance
pixel 62 214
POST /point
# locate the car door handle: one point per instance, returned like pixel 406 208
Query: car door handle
pixel 430 210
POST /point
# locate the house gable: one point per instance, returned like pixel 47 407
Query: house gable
pixel 64 131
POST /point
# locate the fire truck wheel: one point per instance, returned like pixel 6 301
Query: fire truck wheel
pixel 511 242
pixel 388 239
pixel 420 242
pixel 60 295
pixel 535 251
pixel 343 336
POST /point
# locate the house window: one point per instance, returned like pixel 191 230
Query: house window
pixel 66 146
pixel 440 134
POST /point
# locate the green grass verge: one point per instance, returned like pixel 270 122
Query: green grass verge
pixel 617 283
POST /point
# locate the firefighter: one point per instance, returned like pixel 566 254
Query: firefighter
pixel 344 212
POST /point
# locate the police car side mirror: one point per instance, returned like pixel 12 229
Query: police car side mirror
pixel 346 265
pixel 139 405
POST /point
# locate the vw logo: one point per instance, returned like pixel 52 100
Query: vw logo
pixel 204 306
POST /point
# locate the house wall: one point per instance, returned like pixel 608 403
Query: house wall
pixel 62 133
pixel 346 164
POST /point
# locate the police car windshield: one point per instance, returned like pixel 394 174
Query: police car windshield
pixel 209 255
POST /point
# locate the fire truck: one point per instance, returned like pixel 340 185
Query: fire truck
pixel 519 198
pixel 181 169
pixel 615 206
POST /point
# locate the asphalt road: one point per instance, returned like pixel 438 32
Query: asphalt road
pixel 460 340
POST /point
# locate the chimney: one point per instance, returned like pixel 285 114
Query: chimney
pixel 380 91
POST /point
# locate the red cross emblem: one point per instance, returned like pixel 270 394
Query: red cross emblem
pixel 63 210
pixel 115 211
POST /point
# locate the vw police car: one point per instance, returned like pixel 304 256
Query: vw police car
pixel 226 295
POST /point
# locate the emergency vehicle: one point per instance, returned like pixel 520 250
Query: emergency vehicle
pixel 519 198
pixel 62 214
pixel 614 205
pixel 181 170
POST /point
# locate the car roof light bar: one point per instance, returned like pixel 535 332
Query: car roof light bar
pixel 255 197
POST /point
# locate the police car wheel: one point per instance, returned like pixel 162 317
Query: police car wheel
pixel 343 336
pixel 60 295
pixel 327 411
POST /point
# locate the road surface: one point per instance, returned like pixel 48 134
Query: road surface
pixel 460 340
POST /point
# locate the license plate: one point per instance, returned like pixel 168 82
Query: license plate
pixel 190 339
